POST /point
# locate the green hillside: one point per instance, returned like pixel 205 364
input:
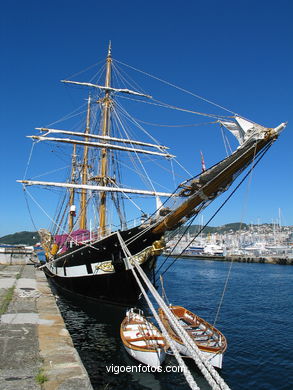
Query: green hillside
pixel 24 238
pixel 217 229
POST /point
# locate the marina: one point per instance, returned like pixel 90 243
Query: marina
pixel 239 258
pixel 267 243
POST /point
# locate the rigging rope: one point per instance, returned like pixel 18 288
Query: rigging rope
pixel 232 261
pixel 84 70
pixel 165 105
pixel 28 207
pixel 49 172
pixel 128 197
pixel 173 172
pixel 29 160
pixel 191 111
pixel 179 88
pixel 134 86
pixel 224 141
pixel 164 295
pixel 58 227
pixel 185 231
pixel 189 125
pixel 219 208
pixel 136 154
pixel 70 115
pixel 134 121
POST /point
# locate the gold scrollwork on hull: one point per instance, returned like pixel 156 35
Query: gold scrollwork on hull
pixel 141 257
pixel 106 266
pixel 154 250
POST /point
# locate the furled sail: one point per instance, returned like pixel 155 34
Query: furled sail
pixel 107 138
pixel 99 145
pixel 244 129
pixel 107 89
pixel 94 188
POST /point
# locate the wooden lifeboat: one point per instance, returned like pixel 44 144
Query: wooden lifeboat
pixel 211 342
pixel 142 340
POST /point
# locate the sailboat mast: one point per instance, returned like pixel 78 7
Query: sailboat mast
pixel 83 198
pixel 72 191
pixel 104 151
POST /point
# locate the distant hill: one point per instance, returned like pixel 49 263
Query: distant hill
pixel 25 238
pixel 228 227
pixel 215 229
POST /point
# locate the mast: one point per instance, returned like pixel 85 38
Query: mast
pixel 72 192
pixel 83 198
pixel 104 151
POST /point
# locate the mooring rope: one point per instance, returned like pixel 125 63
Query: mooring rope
pixel 210 374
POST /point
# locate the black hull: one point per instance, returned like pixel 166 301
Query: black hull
pixel 115 288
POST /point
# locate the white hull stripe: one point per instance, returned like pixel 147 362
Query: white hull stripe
pixel 100 268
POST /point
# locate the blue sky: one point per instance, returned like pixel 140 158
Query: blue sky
pixel 238 54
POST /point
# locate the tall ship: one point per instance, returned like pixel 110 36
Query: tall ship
pixel 84 256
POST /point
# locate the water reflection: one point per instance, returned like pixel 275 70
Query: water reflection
pixel 255 317
pixel 102 352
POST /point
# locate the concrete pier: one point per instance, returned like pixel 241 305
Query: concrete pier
pixel 17 255
pixel 36 350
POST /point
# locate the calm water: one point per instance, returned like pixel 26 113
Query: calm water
pixel 256 318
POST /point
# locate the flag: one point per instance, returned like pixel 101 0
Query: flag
pixel 203 166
